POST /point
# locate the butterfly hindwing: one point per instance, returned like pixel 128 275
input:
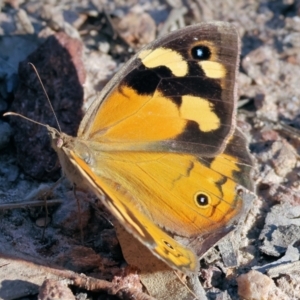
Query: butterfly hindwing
pixel 125 207
pixel 160 196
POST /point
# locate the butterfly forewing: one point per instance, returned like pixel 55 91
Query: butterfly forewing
pixel 178 94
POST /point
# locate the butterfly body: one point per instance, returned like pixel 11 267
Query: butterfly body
pixel 161 144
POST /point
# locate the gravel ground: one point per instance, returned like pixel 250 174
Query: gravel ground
pixel 100 36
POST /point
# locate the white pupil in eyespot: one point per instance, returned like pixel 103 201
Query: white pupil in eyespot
pixel 202 200
pixel 199 52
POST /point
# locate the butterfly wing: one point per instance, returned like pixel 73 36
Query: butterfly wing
pixel 177 94
pixel 127 209
pixel 164 197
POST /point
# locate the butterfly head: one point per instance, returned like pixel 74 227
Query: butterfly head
pixel 57 140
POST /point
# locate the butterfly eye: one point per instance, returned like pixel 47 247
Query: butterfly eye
pixel 201 52
pixel 202 199
pixel 59 143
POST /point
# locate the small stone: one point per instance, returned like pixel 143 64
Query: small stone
pixel 43 222
pixel 290 284
pixel 282 228
pixel 256 286
pixel 284 159
pixel 23 22
pixel 59 52
pixel 137 29
pixel 55 290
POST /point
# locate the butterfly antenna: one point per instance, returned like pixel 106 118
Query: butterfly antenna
pixel 10 113
pixel 39 78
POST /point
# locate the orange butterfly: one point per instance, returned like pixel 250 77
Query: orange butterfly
pixel 161 143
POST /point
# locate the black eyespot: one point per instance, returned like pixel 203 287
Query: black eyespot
pixel 202 199
pixel 201 52
pixel 168 245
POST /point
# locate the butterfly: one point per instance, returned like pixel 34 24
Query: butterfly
pixel 161 144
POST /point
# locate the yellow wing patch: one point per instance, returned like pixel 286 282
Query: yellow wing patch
pixel 192 106
pixel 213 69
pixel 165 57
